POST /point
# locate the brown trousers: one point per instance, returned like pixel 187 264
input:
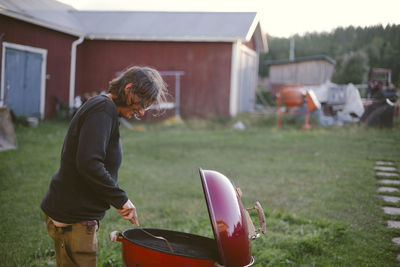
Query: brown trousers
pixel 75 245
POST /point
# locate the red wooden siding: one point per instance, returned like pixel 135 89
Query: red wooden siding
pixel 58 47
pixel 205 86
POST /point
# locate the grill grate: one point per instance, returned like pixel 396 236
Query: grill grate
pixel 183 244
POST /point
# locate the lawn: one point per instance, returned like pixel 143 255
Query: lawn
pixel 317 187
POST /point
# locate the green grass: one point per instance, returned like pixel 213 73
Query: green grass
pixel 317 188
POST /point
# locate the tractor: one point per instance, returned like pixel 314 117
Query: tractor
pixel 381 104
pixel 380 81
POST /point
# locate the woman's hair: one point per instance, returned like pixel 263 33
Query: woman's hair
pixel 147 84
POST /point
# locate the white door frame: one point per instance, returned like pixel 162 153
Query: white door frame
pixel 31 49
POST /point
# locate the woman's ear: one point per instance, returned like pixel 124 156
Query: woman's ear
pixel 128 93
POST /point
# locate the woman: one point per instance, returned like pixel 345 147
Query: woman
pixel 85 185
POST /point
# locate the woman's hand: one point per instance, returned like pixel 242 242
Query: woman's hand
pixel 128 212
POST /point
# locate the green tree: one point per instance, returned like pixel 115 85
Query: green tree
pixel 356 50
pixel 352 68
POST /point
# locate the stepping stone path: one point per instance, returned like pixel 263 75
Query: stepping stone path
pixel 387 169
pixel 390 199
pixel 393 224
pixel 396 240
pixel 390 182
pixel 386 163
pixel 391 211
pixel 387 174
pixel 384 168
pixel 388 189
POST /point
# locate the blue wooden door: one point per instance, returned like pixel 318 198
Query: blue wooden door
pixel 23 78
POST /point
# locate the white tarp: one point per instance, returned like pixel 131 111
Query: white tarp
pixel 345 104
pixel 353 104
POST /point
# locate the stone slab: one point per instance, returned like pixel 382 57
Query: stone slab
pixel 383 181
pixel 391 210
pixel 393 224
pixel 388 189
pixel 390 163
pixel 396 240
pixel 384 168
pixel 387 174
pixel 390 199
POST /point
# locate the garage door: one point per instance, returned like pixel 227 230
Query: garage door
pixel 23 80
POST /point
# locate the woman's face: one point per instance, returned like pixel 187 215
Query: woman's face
pixel 133 107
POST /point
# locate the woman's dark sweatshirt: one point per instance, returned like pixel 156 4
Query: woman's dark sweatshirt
pixel 85 185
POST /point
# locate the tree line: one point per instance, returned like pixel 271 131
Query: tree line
pixel 356 51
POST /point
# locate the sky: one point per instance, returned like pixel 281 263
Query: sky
pixel 279 18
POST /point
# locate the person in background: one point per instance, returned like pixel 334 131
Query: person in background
pixel 85 185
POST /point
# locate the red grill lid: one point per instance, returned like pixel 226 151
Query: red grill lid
pixel 227 219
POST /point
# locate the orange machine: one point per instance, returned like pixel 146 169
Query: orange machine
pixel 293 97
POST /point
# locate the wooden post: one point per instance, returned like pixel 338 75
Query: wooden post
pixel 307 124
pixel 278 110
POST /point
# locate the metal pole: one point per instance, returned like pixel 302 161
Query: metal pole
pixel 177 93
pixel 291 53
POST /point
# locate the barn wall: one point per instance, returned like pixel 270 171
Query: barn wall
pixel 307 72
pixel 205 85
pixel 58 46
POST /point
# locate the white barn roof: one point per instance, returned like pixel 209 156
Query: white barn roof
pixel 47 13
pixel 139 25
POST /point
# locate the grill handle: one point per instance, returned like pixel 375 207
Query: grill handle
pixel 254 233
pixel 116 236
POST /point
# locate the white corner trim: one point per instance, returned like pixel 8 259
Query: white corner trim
pixel 3 63
pixel 234 90
pixel 252 28
pixel 259 35
pixel 31 49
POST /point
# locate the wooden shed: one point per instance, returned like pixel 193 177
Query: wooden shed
pixel 313 70
pixel 209 59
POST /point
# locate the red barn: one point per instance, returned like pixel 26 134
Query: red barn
pixel 52 52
